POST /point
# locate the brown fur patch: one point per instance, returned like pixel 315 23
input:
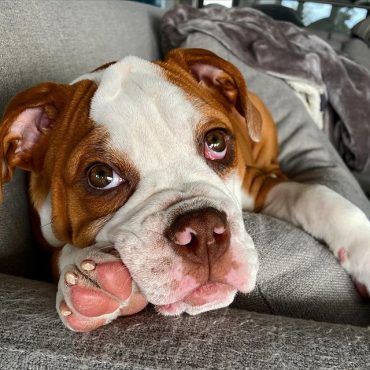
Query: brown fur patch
pixel 258 164
pixel 88 209
pixel 80 211
pixel 59 164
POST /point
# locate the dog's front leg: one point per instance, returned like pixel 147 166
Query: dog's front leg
pixel 327 216
pixel 94 288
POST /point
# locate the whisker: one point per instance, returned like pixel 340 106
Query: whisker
pixel 49 223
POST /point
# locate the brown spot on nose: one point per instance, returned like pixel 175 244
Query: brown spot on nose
pixel 200 235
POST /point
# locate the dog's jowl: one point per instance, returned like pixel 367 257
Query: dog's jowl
pixel 140 172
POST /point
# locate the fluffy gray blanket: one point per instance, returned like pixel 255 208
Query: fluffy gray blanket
pixel 304 60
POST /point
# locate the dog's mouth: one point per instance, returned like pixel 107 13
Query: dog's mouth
pixel 208 296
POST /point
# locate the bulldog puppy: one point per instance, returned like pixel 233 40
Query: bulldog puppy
pixel 140 172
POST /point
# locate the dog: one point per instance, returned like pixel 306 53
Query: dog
pixel 139 173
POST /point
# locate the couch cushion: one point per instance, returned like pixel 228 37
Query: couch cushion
pixel 33 337
pixel 299 277
pixel 58 41
pixel 17 248
pixel 358 50
pixel 362 30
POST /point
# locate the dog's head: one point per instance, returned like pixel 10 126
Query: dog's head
pixel 150 157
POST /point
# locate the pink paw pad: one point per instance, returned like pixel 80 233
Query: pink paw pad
pixel 92 303
pixel 362 290
pixel 96 290
pixel 114 284
pixel 79 324
pixel 342 255
pixel 137 304
pixel 115 278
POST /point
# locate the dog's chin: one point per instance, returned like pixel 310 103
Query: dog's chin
pixel 209 296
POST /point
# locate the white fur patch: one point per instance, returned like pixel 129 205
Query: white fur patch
pixel 318 210
pixel 147 117
pixel 45 213
pixel 327 216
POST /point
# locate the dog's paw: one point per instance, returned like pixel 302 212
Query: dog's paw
pixel 355 259
pixel 95 289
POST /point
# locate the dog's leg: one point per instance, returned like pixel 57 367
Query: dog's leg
pixel 327 216
pixel 94 288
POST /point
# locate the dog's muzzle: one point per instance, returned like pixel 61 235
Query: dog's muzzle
pixel 191 256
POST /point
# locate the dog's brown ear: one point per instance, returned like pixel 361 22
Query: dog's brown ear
pixel 222 76
pixel 27 121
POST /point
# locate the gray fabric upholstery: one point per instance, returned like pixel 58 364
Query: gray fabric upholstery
pixel 299 277
pixel 362 30
pixel 17 248
pixel 337 40
pixel 358 51
pixel 59 40
pixel 32 337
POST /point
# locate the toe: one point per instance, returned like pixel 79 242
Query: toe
pixel 77 323
pixel 82 325
pixel 362 290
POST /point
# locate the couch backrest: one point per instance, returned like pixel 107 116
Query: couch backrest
pixel 57 40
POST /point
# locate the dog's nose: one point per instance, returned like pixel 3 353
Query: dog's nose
pixel 200 234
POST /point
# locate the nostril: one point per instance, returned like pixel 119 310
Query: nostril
pixel 219 230
pixel 184 237
pixel 200 234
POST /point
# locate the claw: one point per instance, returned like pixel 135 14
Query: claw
pixel 64 310
pixel 70 278
pixel 88 265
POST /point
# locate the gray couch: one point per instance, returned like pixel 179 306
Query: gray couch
pixel 59 40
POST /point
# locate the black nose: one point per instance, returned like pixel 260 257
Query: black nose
pixel 200 234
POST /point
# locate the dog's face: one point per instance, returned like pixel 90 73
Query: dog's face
pixel 149 157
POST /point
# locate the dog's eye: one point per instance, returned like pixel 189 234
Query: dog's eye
pixel 215 145
pixel 101 176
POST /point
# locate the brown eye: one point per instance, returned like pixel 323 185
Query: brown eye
pixel 215 145
pixel 215 141
pixel 101 176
